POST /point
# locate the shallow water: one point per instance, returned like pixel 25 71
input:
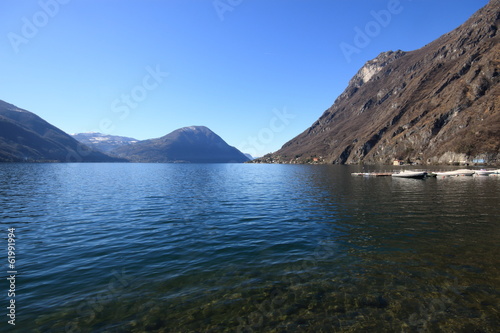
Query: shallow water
pixel 249 248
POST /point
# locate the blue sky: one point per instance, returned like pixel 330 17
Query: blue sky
pixel 256 72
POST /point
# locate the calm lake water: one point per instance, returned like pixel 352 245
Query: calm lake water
pixel 248 248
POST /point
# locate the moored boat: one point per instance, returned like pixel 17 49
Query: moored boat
pixel 454 173
pixel 371 174
pixel 496 173
pixel 484 172
pixel 410 174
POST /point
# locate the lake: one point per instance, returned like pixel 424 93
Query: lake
pixel 248 248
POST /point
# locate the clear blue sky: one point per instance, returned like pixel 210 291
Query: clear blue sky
pixel 256 72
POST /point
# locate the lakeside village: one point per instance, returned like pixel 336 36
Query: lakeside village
pixel 401 163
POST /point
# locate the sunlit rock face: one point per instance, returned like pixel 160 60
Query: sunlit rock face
pixel 437 104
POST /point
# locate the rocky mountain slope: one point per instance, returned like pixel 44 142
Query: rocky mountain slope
pixel 195 144
pixel 103 142
pixel 25 137
pixel 437 104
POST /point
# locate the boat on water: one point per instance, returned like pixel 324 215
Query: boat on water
pixel 496 173
pixel 371 174
pixel 455 173
pixel 410 174
pixel 484 172
pixel 422 174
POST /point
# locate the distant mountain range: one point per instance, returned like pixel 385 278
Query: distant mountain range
pixel 250 157
pixel 194 144
pixel 103 142
pixel 438 104
pixel 25 137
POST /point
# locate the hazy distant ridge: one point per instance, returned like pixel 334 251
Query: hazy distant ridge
pixel 103 142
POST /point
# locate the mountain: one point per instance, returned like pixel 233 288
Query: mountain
pixel 250 157
pixel 25 137
pixel 103 142
pixel 437 104
pixel 195 144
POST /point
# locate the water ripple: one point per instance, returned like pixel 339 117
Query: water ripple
pixel 158 247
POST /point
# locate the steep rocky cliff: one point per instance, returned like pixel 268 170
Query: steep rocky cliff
pixel 437 104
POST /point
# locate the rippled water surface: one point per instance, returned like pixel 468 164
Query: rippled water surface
pixel 249 248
